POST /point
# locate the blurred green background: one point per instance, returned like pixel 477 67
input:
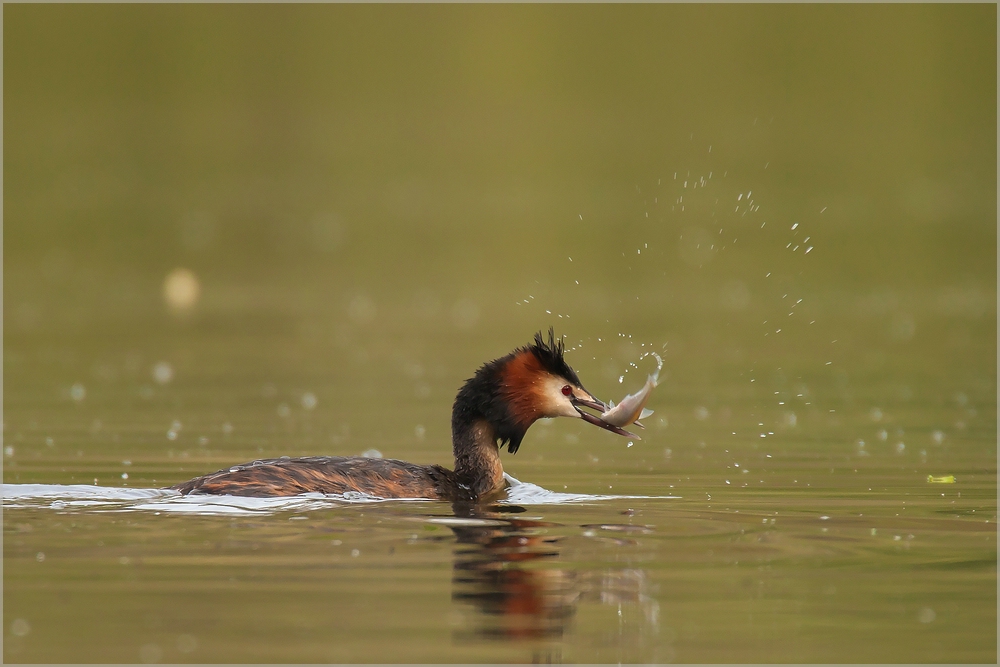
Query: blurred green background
pixel 458 145
pixel 380 197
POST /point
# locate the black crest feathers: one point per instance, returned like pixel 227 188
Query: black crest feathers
pixel 550 354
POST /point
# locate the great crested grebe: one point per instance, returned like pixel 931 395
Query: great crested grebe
pixel 492 409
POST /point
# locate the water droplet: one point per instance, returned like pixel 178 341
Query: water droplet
pixel 77 392
pixel 163 373
pixel 181 290
pixel 20 627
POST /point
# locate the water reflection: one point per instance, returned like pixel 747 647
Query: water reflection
pixel 508 569
pixel 495 571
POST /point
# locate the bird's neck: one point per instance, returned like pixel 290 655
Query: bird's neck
pixel 477 456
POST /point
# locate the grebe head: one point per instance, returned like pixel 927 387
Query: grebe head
pixel 530 383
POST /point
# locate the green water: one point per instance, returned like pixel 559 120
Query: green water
pixel 374 200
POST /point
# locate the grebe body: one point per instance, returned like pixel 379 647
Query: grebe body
pixel 386 478
pixel 493 409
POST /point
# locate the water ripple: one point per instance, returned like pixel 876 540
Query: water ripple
pixel 81 497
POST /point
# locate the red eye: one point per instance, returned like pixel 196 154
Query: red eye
pixel 567 390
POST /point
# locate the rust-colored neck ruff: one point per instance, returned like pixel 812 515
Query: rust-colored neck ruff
pixel 519 386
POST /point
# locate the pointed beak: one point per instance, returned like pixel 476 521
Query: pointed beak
pixel 589 402
pixel 595 404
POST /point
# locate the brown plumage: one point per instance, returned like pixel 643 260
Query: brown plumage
pixel 492 409
pixel 286 476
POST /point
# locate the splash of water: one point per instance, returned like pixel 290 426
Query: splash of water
pixel 74 498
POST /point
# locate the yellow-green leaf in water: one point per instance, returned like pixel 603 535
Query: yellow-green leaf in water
pixel 945 479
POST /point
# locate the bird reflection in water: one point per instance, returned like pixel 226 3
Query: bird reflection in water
pixel 507 569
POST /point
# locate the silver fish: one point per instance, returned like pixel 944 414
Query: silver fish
pixel 632 407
